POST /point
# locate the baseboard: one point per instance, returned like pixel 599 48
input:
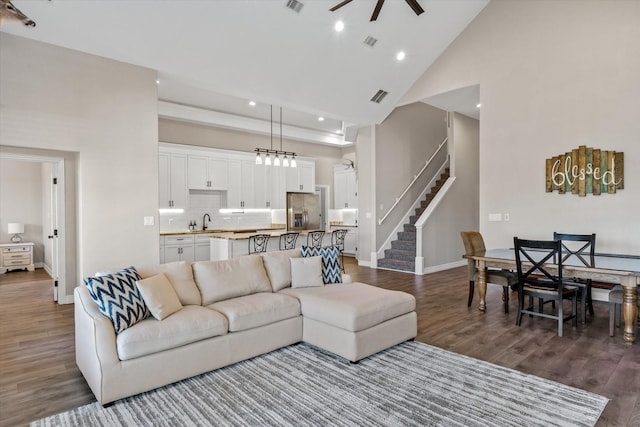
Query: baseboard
pixel 442 267
pixel 65 299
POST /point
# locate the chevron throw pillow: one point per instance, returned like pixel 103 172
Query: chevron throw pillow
pixel 118 297
pixel 330 262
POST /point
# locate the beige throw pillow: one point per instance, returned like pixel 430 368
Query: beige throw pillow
pixel 306 272
pixel 159 295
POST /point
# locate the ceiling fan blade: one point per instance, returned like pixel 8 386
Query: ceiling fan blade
pixel 339 5
pixel 415 6
pixel 376 11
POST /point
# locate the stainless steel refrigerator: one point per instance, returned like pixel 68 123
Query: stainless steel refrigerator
pixel 303 211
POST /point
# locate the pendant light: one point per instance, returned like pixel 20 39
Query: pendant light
pixel 285 161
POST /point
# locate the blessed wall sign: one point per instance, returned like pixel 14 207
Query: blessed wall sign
pixel 585 170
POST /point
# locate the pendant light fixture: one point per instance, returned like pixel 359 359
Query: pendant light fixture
pixel 277 153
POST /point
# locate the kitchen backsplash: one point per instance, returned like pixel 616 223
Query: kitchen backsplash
pixel 210 202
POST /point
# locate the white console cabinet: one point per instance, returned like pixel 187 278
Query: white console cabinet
pixel 16 256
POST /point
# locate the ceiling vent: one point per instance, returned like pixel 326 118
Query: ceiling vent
pixel 379 96
pixel 370 41
pixel 295 5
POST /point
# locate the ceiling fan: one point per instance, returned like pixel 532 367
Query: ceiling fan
pixel 376 11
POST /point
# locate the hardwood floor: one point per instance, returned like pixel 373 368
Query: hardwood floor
pixel 38 375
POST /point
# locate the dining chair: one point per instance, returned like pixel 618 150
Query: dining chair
pixel 474 245
pixel 535 280
pixel 314 238
pixel 582 250
pixel 288 241
pixel 337 240
pixel 258 243
pixel 615 309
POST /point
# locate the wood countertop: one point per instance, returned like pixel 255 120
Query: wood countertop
pixel 222 230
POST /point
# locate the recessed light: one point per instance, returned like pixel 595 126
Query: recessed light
pixel 478 105
pixel 400 56
pixel 339 26
pixel 321 119
pixel 158 81
pixel 252 103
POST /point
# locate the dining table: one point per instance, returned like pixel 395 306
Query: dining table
pixel 608 268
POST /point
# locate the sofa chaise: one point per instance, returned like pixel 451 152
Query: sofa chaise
pixel 222 312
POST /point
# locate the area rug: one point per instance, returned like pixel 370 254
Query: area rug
pixel 412 384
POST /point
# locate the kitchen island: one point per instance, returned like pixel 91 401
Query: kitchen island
pixel 230 245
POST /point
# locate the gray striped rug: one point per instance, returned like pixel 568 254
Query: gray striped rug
pixel 412 384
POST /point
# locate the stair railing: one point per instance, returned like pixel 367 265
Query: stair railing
pixel 415 178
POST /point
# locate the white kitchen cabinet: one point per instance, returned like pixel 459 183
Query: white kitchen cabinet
pixel 202 247
pixel 345 193
pixel 173 180
pixel 161 249
pixel 208 173
pixel 179 247
pixel 301 178
pixel 240 191
pixel 268 187
pixel 351 241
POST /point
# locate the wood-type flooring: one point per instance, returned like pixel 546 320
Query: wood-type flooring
pixel 39 377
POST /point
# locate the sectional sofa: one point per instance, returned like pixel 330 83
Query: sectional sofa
pixel 215 313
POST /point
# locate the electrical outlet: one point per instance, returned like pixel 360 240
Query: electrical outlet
pixel 506 217
pixel 149 220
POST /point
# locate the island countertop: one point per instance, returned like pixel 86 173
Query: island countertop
pixel 240 236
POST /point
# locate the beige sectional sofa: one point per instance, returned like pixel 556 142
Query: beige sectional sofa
pixel 233 310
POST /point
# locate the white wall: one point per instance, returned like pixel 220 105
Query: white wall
pixel 553 75
pixel 441 242
pixel 21 201
pixel 106 111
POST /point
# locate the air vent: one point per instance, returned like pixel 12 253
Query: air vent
pixel 370 41
pixel 295 5
pixel 379 96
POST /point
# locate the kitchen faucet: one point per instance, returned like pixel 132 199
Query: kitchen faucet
pixel 204 224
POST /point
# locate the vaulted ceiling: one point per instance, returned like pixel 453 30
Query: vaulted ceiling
pixel 220 54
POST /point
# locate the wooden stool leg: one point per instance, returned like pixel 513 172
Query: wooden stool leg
pixel 471 291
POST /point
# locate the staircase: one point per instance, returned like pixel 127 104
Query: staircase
pixel 402 254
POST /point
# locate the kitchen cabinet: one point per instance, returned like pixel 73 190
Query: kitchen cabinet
pixel 161 249
pixel 172 180
pixel 240 191
pixel 202 247
pixel 345 193
pixel 301 178
pixel 179 247
pixel 208 173
pixel 268 187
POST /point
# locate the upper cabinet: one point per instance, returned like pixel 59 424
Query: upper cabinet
pixel 208 173
pixel 269 191
pixel 345 193
pixel 173 180
pixel 301 178
pixel 240 192
pixel 247 185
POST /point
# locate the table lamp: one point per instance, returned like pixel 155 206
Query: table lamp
pixel 15 228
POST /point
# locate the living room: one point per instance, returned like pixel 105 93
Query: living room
pixel 552 76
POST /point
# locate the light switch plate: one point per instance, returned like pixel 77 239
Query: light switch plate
pixel 495 217
pixel 149 220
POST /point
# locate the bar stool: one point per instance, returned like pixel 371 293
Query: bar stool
pixel 314 238
pixel 337 240
pixel 288 241
pixel 258 243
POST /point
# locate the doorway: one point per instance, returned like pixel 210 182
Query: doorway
pixel 47 232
